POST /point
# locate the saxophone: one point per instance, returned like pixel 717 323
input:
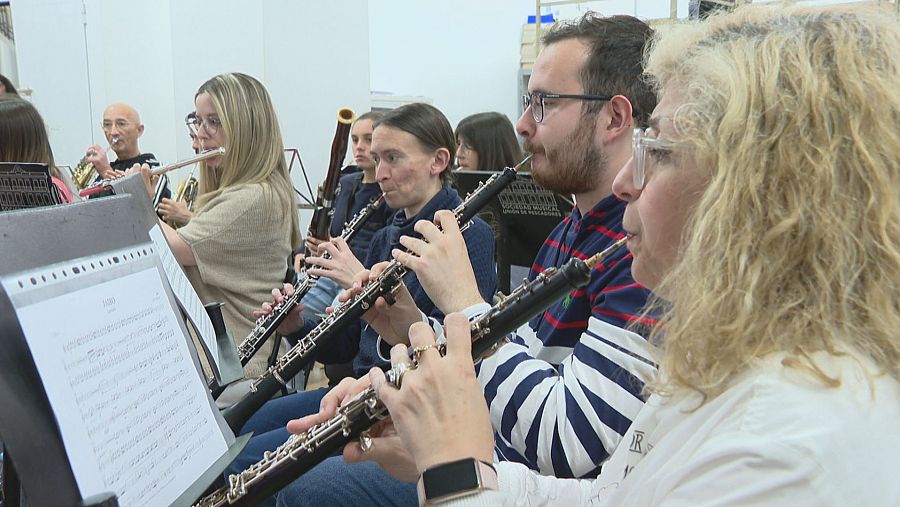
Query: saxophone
pixel 386 285
pixel 187 191
pixel 267 324
pixel 353 420
pixel 85 172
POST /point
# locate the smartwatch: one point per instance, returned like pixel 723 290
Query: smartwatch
pixel 456 479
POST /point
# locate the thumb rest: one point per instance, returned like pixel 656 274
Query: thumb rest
pixel 267 324
pixel 386 285
pixel 354 419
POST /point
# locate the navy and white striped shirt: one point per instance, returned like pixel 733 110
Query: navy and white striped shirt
pixel 565 390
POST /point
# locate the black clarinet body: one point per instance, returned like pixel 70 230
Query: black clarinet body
pixel 264 387
pixel 353 420
pixel 266 326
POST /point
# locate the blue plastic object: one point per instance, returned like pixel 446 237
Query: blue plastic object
pixel 545 19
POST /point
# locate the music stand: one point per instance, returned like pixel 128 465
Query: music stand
pixel 36 241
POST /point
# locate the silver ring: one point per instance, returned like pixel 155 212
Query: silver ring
pixel 395 374
pixel 365 441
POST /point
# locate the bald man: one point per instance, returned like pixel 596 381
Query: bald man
pixel 122 127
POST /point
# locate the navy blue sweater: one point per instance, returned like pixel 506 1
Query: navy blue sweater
pixel 352 196
pixel 358 342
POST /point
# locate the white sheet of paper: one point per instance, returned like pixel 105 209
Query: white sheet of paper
pixel 133 413
pixel 184 292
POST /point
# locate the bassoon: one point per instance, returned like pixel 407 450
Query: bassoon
pixel 321 219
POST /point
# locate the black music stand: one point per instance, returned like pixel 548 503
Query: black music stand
pixel 29 424
pixel 522 217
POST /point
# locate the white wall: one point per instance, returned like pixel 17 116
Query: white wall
pixel 465 54
pixel 155 54
pixel 8 65
pixel 314 57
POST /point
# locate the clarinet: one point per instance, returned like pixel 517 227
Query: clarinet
pixel 352 421
pixel 267 324
pixel 387 284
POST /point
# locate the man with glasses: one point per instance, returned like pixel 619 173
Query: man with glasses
pixel 565 390
pixel 122 127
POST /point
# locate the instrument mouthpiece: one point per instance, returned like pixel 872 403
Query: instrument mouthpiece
pixel 598 257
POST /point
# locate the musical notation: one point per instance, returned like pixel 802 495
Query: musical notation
pixel 132 408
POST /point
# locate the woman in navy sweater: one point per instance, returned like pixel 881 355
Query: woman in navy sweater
pixel 413 147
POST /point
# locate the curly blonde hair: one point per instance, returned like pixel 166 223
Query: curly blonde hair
pixel 253 143
pixel 794 246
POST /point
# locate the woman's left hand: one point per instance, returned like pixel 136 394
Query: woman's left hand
pixel 387 449
pixel 341 267
pixel 439 410
pixel 175 211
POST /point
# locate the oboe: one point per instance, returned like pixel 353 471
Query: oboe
pixel 353 420
pixel 351 311
pixel 267 324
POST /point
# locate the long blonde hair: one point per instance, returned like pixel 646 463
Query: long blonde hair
pixel 794 246
pixel 254 148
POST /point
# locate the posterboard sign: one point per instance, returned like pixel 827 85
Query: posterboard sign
pixel 26 185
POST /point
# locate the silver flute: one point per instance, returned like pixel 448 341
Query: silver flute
pixel 164 169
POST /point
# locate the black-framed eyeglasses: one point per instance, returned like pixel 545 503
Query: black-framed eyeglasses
pixel 536 101
pixel 191 121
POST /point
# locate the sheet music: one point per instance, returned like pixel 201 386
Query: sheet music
pixel 185 294
pixel 133 412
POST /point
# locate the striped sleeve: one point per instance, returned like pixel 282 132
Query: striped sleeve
pixel 563 414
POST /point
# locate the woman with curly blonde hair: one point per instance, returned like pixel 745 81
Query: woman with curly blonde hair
pixel 764 211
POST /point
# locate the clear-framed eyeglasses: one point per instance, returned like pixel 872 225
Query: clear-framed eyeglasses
pixel 119 124
pixel 647 149
pixel 536 101
pixel 211 125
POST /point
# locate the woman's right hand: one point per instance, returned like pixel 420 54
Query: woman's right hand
pixel 439 409
pixel 294 321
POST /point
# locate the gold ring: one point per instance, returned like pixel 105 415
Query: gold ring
pixel 418 350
